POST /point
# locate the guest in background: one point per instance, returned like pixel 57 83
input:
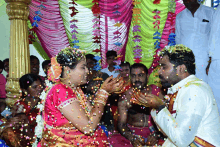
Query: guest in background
pixel 6 66
pixel 213 69
pixel 2 81
pixel 35 66
pixel 110 70
pixel 134 121
pixel 45 66
pixel 24 113
pixel 125 74
pixel 193 27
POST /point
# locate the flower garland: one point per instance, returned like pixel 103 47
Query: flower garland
pixel 96 26
pixel 137 39
pixel 73 24
pixel 39 119
pixel 116 37
pixel 37 17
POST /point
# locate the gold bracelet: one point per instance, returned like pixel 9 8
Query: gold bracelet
pixel 104 91
pixel 100 101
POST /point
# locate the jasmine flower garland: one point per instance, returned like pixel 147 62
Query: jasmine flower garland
pixel 39 119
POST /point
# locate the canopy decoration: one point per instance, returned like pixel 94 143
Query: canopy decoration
pixel 136 29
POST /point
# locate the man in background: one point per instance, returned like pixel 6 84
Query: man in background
pixel 35 65
pixel 213 70
pixel 46 65
pixel 110 70
pixel 193 26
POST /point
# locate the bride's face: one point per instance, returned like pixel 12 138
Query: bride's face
pixel 78 75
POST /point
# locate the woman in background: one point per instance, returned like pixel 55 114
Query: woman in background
pixel 19 130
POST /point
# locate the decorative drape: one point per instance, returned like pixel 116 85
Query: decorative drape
pixel 112 24
pixel 146 30
pixel 50 30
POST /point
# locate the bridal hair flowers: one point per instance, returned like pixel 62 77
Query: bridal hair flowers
pixel 67 56
pixel 55 70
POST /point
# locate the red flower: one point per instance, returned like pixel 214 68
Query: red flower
pixel 95 1
pixel 96 50
pixel 156 2
pixel 96 9
pixel 73 13
pixel 97 41
pixel 137 60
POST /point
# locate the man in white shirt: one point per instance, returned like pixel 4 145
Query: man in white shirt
pixel 190 115
pixel 214 53
pixel 192 30
pixel 110 70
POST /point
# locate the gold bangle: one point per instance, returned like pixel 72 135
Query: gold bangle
pixel 100 101
pixel 104 91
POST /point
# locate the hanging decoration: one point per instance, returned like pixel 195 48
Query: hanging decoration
pixel 38 15
pixel 215 3
pixel 156 35
pixel 73 25
pixel 137 38
pixel 96 26
pixel 36 19
pixel 168 36
pixel 118 45
pixel 97 66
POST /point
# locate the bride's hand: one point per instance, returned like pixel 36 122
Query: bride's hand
pixel 112 84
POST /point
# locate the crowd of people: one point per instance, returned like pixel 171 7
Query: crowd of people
pixel 77 105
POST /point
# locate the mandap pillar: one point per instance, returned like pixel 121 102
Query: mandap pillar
pixel 19 58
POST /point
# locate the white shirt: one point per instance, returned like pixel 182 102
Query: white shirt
pixel 193 32
pixel 114 73
pixel 214 42
pixel 196 114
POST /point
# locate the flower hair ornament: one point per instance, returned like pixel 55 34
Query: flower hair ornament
pixel 55 70
pixel 71 55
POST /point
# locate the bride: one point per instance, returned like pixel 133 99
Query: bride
pixel 67 118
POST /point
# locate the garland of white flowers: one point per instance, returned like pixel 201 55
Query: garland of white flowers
pixel 39 119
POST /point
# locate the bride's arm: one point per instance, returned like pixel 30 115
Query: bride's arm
pixel 88 123
pixel 77 116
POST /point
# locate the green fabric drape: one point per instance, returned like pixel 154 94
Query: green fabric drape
pixel 147 30
pixel 84 24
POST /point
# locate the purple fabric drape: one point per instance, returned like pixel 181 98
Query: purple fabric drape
pixel 50 30
pixel 108 9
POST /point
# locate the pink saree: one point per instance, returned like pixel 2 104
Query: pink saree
pixel 57 129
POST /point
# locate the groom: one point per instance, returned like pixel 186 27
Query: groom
pixel 190 115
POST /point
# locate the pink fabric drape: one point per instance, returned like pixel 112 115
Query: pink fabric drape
pixel 50 30
pixel 107 7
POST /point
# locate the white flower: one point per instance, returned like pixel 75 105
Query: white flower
pixel 40 121
pixel 39 118
pixel 43 95
pixel 40 106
